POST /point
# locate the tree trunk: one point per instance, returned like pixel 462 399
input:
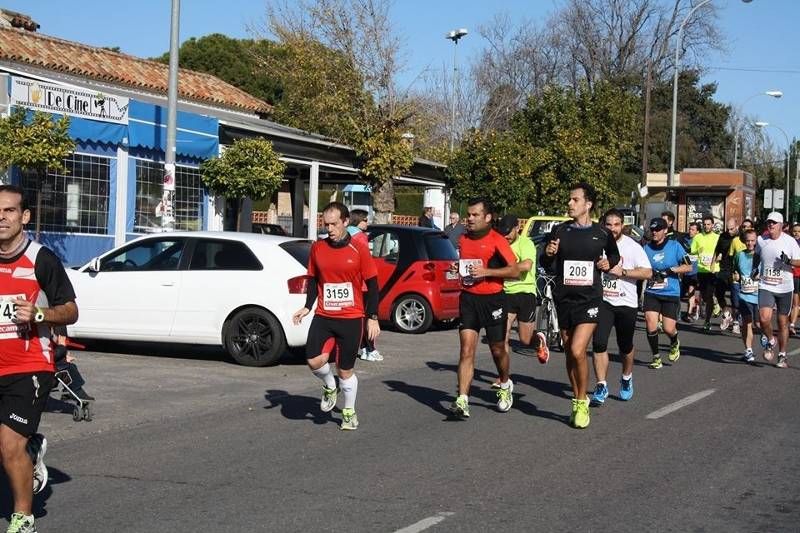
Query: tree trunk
pixel 383 202
pixel 240 201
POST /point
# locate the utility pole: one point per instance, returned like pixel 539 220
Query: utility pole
pixel 168 195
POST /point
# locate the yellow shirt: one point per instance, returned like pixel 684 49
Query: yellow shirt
pixel 736 246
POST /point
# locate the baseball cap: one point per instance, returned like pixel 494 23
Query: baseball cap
pixel 657 224
pixel 506 224
pixel 775 217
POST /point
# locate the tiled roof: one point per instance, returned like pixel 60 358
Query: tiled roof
pixel 104 65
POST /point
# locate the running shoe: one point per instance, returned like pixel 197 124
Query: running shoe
pixel 769 351
pixel 626 389
pixel 460 407
pixel 656 363
pixel 764 342
pixel 36 448
pixel 600 394
pixel 542 352
pixel 707 327
pixel 782 362
pixel 674 352
pixel 21 524
pixel 717 310
pixel 505 398
pixel 495 384
pixel 328 401
pixel 736 329
pixel 748 356
pixel 371 355
pixel 580 413
pixel 726 321
pixel 349 420
pixel 792 329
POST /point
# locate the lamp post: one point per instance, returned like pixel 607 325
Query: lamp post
pixel 168 193
pixel 454 35
pixel 773 94
pixel 788 152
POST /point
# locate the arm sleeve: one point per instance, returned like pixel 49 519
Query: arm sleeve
pixel 371 303
pixel 53 279
pixel 311 293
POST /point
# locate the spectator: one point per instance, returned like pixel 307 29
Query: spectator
pixel 426 218
pixel 455 229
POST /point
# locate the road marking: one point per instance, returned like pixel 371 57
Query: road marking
pixel 425 523
pixel 794 352
pixel 680 403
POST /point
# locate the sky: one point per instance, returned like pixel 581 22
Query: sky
pixel 762 53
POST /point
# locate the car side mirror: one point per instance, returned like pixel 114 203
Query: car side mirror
pixel 94 265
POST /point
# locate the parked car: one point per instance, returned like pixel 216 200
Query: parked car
pixel 416 285
pixel 268 229
pixel 236 290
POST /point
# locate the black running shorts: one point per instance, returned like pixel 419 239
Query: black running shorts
pixel 667 306
pixel 570 314
pixel 22 400
pixel 340 337
pixel 486 311
pixel 522 304
pixel 620 317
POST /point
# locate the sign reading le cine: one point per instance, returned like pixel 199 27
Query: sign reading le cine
pixel 69 101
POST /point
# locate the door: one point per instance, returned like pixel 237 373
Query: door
pixel 385 248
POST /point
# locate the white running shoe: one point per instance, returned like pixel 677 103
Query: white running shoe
pixel 737 329
pixel 37 447
pixel 373 355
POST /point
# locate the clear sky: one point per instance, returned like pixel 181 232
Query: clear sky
pixel 762 54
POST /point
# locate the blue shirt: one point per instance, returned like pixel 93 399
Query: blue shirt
pixel 743 263
pixel 664 257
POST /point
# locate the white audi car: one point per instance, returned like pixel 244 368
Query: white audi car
pixel 236 290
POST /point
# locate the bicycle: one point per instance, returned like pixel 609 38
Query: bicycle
pixel 546 315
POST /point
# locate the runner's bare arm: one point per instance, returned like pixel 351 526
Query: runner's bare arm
pixel 61 315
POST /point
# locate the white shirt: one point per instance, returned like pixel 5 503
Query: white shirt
pixel 775 275
pixel 619 291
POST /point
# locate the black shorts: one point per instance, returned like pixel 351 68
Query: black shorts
pixel 781 300
pixel 668 306
pixel 706 281
pixel 486 311
pixel 797 285
pixel 522 304
pixel 22 400
pixel 620 317
pixel 571 314
pixel 338 336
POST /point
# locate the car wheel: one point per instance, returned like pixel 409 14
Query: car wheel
pixel 254 337
pixel 412 314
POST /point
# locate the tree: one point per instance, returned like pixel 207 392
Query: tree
pixel 34 141
pixel 249 168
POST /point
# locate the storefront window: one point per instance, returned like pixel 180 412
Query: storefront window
pixel 73 202
pixel 188 197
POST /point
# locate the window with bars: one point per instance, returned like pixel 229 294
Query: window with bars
pixel 188 206
pixel 75 201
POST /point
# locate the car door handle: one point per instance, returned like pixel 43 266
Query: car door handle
pixel 167 283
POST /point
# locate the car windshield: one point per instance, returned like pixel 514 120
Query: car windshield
pixel 300 250
pixel 440 248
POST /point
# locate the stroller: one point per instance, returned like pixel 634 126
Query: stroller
pixel 70 378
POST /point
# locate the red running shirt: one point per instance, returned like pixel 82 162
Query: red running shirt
pixel 493 251
pixel 340 273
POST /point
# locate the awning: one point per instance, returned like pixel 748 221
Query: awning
pixel 95 131
pixel 196 136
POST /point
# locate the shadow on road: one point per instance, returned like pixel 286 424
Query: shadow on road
pixel 297 407
pixel 54 477
pixel 554 388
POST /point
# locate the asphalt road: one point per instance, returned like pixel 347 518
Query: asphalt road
pixel 184 441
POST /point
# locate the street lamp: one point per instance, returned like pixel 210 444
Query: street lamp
pixel 773 94
pixel 454 35
pixel 788 153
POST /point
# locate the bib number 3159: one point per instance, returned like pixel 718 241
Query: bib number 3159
pixel 336 296
pixel 578 273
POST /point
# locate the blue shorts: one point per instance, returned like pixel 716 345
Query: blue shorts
pixel 748 310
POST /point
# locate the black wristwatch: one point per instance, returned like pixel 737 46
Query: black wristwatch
pixel 373 317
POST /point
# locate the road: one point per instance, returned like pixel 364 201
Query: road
pixel 184 441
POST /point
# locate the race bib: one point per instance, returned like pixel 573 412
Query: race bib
pixel 772 276
pixel 658 285
pixel 747 285
pixel 705 260
pixel 8 309
pixel 464 264
pixel 578 273
pixel 610 287
pixel 337 296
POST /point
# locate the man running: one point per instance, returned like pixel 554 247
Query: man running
pixel 724 259
pixel 738 245
pixel 577 247
pixel 690 283
pixel 338 266
pixel 778 253
pixel 704 246
pixel 35 294
pixel 521 292
pixel 619 309
pixel 743 266
pixel 485 259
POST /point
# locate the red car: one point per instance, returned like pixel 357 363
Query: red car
pixel 416 285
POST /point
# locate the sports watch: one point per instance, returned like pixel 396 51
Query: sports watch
pixel 39 316
pixel 373 317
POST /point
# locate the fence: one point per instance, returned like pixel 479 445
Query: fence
pixel 265 217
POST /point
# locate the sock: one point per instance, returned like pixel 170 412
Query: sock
pixel 673 339
pixel 603 383
pixel 627 377
pixel 652 339
pixel 505 384
pixel 324 373
pixel 349 388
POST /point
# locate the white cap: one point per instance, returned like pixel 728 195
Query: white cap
pixel 775 217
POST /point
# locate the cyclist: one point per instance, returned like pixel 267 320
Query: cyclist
pixel 778 253
pixel 704 246
pixel 619 309
pixel 662 296
pixel 521 292
pixel 29 305
pixel 577 247
pixel 485 259
pixel 743 266
pixel 337 267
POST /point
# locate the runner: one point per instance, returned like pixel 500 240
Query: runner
pixel 690 282
pixel 662 297
pixel 748 291
pixel 577 247
pixel 796 296
pixel 338 267
pixel 738 245
pixel 778 253
pixel 521 292
pixel 704 246
pixel 357 228
pixel 619 309
pixel 724 259
pixel 674 234
pixel 36 294
pixel 485 259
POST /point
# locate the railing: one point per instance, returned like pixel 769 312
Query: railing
pixel 263 217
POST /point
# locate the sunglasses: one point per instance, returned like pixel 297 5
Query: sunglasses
pixel 771 222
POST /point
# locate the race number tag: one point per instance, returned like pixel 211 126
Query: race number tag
pixel 610 287
pixel 658 285
pixel 337 296
pixel 705 260
pixel 8 309
pixel 748 285
pixel 578 273
pixel 464 264
pixel 772 276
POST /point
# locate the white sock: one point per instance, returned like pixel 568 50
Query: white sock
pixel 349 388
pixel 324 373
pixel 505 385
pixel 603 383
pixel 627 377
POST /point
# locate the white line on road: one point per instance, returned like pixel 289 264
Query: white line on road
pixel 680 403
pixel 425 523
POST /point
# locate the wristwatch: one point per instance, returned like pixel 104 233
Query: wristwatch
pixel 624 273
pixel 373 317
pixel 39 316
